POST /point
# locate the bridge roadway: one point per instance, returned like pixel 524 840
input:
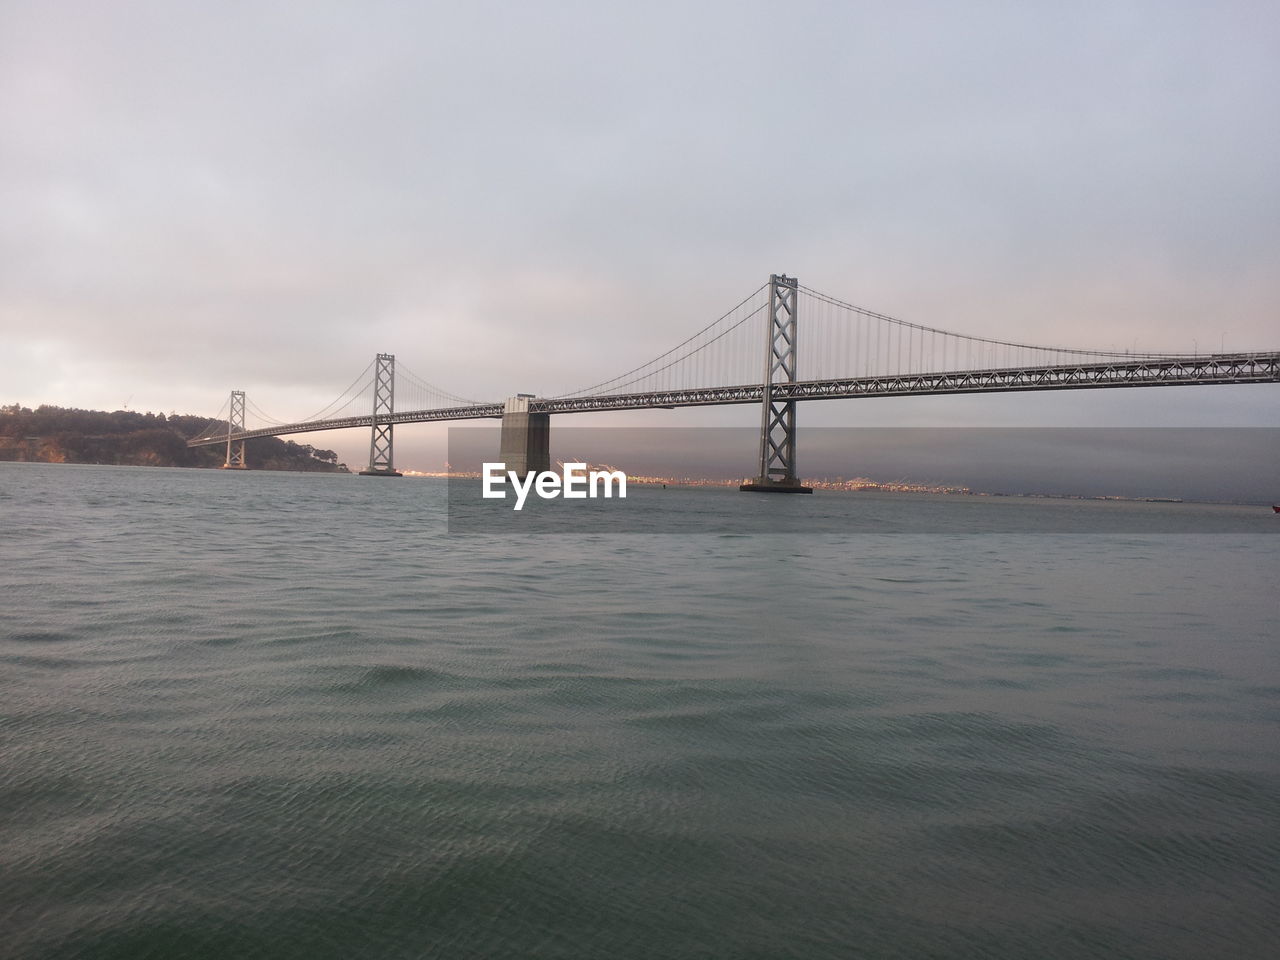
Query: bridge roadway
pixel 1149 372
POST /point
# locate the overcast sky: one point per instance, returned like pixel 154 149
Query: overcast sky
pixel 534 196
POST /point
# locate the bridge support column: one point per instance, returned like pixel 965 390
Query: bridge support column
pixel 526 437
pixel 235 425
pixel 778 417
pixel 382 442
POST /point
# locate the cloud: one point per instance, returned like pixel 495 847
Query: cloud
pixel 535 197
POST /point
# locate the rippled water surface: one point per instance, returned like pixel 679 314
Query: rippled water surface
pixel 267 715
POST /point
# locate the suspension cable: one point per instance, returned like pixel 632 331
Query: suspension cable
pixel 684 343
pixel 991 340
pixel 217 419
pixel 334 405
pixel 430 387
pixel 254 408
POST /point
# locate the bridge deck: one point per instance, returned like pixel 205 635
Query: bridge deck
pixel 1214 369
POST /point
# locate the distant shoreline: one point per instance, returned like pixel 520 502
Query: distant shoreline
pixel 863 485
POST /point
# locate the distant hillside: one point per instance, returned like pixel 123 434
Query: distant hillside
pixel 61 435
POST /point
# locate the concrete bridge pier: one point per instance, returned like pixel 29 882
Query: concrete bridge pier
pixel 526 437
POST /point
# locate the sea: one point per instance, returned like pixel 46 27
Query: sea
pixel 250 714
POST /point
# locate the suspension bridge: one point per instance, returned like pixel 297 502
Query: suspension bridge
pixel 750 355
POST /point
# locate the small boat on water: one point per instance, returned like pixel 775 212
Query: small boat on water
pixel 1275 508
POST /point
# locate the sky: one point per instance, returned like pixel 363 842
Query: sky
pixel 531 197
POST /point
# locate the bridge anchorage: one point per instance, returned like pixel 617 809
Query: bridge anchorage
pixel 526 437
pixel 382 441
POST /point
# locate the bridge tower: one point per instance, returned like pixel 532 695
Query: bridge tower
pixel 381 446
pixel 235 425
pixel 778 417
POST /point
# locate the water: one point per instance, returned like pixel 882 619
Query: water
pixel 257 715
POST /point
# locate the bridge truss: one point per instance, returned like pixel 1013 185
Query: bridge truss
pixel 1214 369
pixel 856 354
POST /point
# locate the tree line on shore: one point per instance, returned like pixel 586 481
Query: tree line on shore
pixel 50 434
